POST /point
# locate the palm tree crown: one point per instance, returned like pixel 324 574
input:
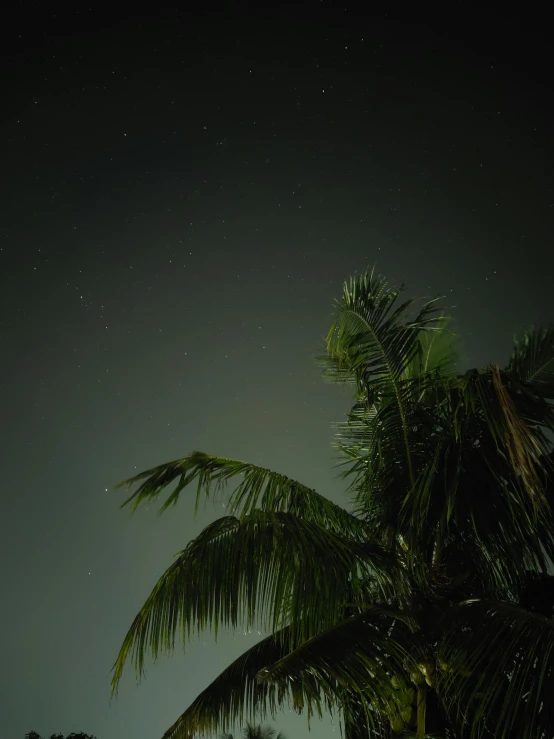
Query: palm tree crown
pixel 427 607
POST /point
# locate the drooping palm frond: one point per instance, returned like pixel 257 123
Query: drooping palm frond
pixel 357 655
pixel 526 450
pixel 257 487
pixel 264 570
pixel 236 695
pixel 354 436
pixel 353 720
pixel 532 360
pixel 498 666
pixel 481 489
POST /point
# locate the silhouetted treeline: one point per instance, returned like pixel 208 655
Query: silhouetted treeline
pixel 73 735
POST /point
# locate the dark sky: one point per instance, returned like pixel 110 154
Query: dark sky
pixel 182 196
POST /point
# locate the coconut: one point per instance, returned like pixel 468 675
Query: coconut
pixel 408 714
pixel 430 678
pixel 397 724
pixel 407 697
pixel 397 681
pixel 428 669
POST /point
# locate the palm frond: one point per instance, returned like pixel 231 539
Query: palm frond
pixel 440 350
pixel 236 695
pixel 357 654
pixel 353 720
pixel 481 485
pixel 378 344
pixel 353 437
pixel 263 570
pixel 525 450
pixel 374 341
pixel 257 487
pixel 532 360
pixel 498 665
pixel 374 443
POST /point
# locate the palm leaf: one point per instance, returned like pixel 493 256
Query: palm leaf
pixel 263 570
pixel 357 654
pixel 369 340
pixel 468 515
pixel 378 344
pixel 499 663
pixel 258 487
pixel 236 694
pixel 354 724
pixel 480 489
pixel 440 350
pixel 532 360
pixel 354 437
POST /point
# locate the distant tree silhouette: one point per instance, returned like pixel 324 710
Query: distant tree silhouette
pixel 73 735
pixel 252 731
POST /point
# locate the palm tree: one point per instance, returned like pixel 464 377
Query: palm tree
pixel 422 610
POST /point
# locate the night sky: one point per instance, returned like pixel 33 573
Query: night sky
pixel 182 197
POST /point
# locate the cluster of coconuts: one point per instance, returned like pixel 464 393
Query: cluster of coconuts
pixel 461 669
pixel 403 703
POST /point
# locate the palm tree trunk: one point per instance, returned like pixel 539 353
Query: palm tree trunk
pixel 421 708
